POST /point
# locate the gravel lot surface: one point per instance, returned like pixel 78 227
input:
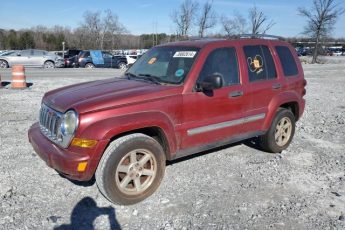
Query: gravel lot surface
pixel 235 187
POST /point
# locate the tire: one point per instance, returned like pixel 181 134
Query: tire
pixel 49 65
pixel 3 64
pixel 281 132
pixel 89 66
pixel 131 169
pixel 122 65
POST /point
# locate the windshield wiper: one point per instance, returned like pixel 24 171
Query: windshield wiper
pixel 129 75
pixel 152 78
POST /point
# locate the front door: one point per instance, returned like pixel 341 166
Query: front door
pixel 23 58
pixel 211 117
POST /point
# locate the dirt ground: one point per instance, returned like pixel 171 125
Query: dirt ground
pixel 235 187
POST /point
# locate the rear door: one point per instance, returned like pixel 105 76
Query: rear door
pixel 211 117
pixel 264 83
pixel 97 58
pixel 38 58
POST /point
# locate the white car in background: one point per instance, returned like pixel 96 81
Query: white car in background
pixel 30 58
pixel 131 59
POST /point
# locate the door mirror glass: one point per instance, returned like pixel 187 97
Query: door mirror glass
pixel 214 81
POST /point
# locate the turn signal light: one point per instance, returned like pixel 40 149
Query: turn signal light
pixel 82 166
pixel 83 143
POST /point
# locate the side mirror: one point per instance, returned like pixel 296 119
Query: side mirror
pixel 214 81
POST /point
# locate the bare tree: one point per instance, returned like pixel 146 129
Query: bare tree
pixel 259 22
pixel 111 27
pixel 207 18
pixel 92 26
pixel 320 20
pixel 100 30
pixel 184 16
pixel 235 25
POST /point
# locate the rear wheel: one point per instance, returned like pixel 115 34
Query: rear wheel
pixel 3 64
pixel 49 65
pixel 131 169
pixel 89 66
pixel 281 132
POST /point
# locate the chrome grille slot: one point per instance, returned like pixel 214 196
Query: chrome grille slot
pixel 49 122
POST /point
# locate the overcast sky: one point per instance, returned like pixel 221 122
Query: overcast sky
pixel 139 16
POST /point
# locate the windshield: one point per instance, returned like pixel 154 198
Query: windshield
pixel 166 64
pixel 7 53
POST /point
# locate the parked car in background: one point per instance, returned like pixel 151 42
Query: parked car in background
pixel 337 52
pixel 303 51
pixel 70 57
pixel 100 59
pixel 131 59
pixel 30 58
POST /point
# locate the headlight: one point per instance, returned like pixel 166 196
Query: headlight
pixel 69 123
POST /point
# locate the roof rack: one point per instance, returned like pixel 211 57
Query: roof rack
pixel 260 36
pixel 204 39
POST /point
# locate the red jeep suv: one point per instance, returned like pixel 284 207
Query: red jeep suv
pixel 178 99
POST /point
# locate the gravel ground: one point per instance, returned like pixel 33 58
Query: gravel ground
pixel 235 187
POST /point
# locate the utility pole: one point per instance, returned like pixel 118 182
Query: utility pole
pixel 63 49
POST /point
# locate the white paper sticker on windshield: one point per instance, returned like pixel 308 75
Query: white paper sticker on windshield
pixel 184 54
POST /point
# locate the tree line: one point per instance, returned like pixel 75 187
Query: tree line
pixel 103 30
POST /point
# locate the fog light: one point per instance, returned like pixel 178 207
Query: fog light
pixel 82 166
pixel 83 143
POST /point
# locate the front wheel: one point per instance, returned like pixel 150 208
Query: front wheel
pixel 281 132
pixel 122 65
pixel 131 169
pixel 3 64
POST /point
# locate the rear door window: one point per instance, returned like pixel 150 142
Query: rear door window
pixel 260 63
pixel 287 61
pixel 38 53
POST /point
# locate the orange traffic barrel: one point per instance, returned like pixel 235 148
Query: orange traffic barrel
pixel 18 77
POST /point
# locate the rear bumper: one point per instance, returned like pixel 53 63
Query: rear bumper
pixel 64 160
pixel 301 108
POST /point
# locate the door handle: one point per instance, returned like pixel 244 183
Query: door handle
pixel 276 86
pixel 236 94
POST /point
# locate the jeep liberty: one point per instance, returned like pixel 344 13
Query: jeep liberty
pixel 178 99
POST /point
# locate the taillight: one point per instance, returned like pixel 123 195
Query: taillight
pixel 304 85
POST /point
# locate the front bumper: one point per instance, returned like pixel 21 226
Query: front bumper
pixel 64 160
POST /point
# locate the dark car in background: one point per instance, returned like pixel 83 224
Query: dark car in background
pixel 100 59
pixel 70 57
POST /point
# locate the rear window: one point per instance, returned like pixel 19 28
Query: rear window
pixel 260 63
pixel 287 61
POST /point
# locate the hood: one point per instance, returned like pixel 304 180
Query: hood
pixel 98 95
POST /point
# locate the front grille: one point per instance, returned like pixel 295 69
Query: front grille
pixel 50 121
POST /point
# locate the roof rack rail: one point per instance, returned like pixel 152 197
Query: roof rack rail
pixel 204 38
pixel 260 36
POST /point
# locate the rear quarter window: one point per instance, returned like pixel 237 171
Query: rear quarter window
pixel 287 61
